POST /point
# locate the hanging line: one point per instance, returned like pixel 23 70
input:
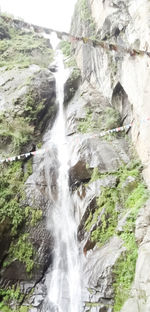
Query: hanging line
pixel 22 156
pixel 42 151
pixel 109 46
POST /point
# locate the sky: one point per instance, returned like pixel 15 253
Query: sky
pixel 55 14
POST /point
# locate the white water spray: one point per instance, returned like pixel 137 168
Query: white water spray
pixel 64 286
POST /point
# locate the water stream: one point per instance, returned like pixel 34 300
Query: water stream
pixel 64 276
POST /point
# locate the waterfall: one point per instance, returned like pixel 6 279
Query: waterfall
pixel 64 276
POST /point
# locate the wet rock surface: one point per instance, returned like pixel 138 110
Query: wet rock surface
pixel 111 81
pixel 97 272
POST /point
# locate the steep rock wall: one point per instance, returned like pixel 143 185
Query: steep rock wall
pixel 105 175
pixel 126 24
pixel 122 80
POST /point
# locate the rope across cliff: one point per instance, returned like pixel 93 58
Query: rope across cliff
pixel 109 46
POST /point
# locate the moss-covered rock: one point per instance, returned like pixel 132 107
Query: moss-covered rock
pixel 27 110
pixel 115 213
pixel 27 104
pixel 21 49
pixel 72 84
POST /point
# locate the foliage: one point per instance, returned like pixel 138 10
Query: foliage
pixel 11 294
pixel 11 192
pixel 86 124
pixel 34 215
pixel 65 46
pixel 109 216
pixel 22 251
pixel 71 62
pixel 14 213
pixel 109 120
pixel 24 49
pixel 124 270
pixel 105 219
pixel 75 74
pixel 82 8
pixel 95 175
pixel 15 131
pixel 32 107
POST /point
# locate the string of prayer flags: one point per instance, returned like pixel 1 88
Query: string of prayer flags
pixel 42 151
pixel 126 127
pixel 22 156
pixel 109 46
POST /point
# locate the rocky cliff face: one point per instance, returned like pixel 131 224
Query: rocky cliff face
pixel 121 79
pixel 106 176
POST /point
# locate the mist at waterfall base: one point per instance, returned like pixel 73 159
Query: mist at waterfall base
pixel 63 279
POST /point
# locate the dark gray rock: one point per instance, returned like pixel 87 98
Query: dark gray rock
pixel 87 204
pixel 92 152
pixel 4 31
pixel 79 173
pixel 97 272
pixel 72 84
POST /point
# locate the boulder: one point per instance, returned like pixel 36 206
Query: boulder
pixel 97 272
pixel 71 84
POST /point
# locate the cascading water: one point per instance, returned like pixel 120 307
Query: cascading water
pixel 64 276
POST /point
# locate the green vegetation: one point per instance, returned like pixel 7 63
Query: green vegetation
pixel 33 215
pixel 11 195
pixel 86 124
pixel 110 119
pixel 83 9
pixel 15 132
pixel 22 251
pixel 109 218
pixel 21 49
pixel 130 195
pixel 12 180
pixel 97 175
pixel 124 270
pixel 65 46
pixel 75 74
pixel 71 62
pixel 4 31
pixel 11 294
pixel 85 13
pixel 14 214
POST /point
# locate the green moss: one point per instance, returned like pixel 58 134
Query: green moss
pixel 22 251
